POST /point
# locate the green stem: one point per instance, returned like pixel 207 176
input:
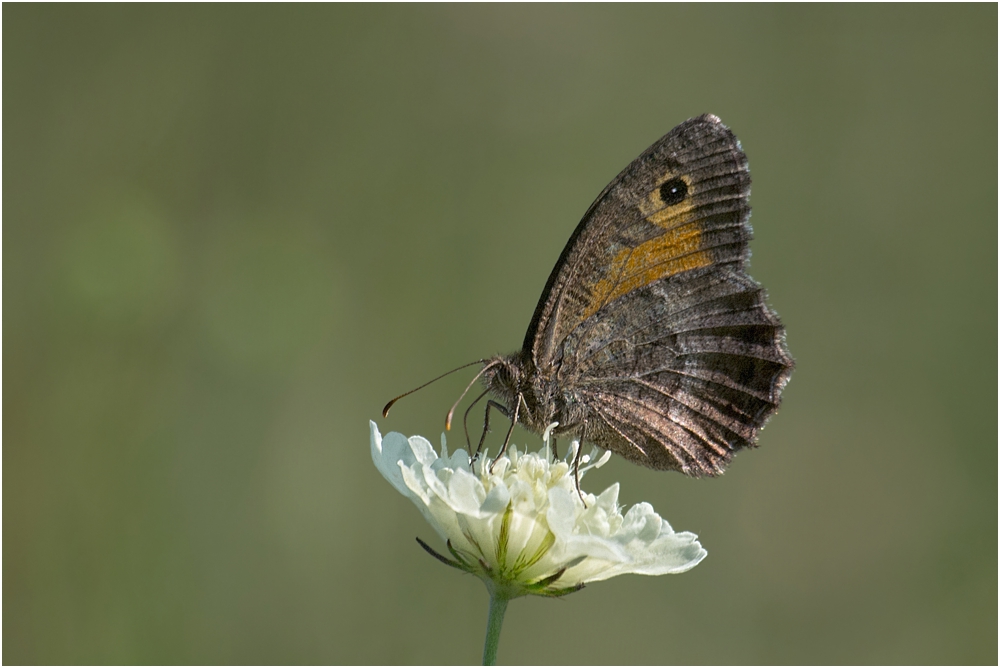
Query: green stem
pixel 498 606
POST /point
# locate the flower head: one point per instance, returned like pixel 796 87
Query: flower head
pixel 521 526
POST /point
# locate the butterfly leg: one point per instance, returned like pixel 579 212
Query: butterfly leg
pixel 486 426
pixel 506 440
pixel 576 464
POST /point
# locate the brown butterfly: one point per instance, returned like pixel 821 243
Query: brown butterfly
pixel 650 340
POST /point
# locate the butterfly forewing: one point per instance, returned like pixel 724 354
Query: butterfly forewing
pixel 635 233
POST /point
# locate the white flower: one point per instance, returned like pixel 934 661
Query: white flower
pixel 523 528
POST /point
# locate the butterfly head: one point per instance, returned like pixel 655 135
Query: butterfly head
pixel 504 377
pixel 516 383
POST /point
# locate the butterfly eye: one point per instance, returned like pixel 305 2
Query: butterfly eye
pixel 673 191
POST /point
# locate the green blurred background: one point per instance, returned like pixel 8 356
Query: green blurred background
pixel 231 233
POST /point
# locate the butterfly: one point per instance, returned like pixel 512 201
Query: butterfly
pixel 650 339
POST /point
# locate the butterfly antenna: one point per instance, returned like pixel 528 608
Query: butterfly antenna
pixel 385 411
pixel 451 413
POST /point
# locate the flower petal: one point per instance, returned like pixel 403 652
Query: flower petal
pixel 386 452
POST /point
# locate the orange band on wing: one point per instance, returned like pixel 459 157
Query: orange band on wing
pixel 667 255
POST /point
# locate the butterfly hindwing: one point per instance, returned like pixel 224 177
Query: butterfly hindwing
pixel 681 373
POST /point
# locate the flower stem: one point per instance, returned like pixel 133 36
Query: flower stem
pixel 498 606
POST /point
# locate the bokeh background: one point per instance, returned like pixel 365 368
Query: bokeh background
pixel 231 233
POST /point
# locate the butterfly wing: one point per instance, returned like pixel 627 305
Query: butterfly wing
pixel 636 233
pixel 649 319
pixel 681 373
